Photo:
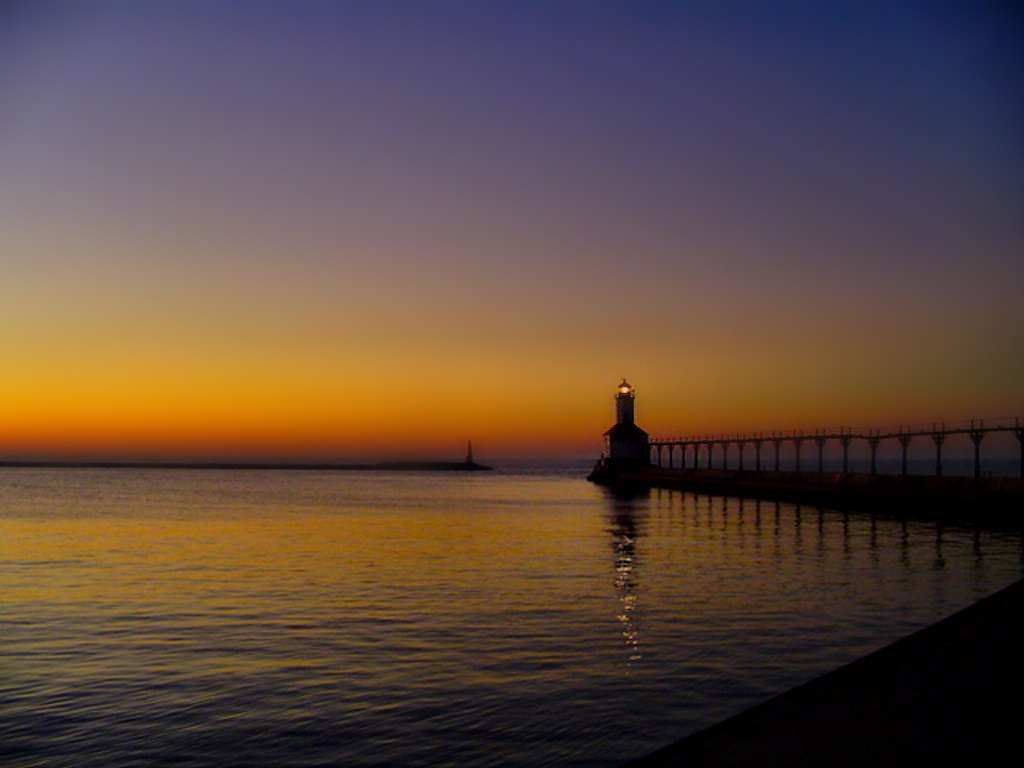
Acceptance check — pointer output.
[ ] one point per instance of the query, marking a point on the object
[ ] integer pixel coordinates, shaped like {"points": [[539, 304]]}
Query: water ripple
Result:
{"points": [[309, 619]]}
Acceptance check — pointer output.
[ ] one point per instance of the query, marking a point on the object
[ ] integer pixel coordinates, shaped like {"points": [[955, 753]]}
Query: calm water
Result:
{"points": [[520, 618]]}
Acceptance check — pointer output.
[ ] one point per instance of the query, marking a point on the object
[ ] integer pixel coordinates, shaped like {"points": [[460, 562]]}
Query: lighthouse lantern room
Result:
{"points": [[626, 443]]}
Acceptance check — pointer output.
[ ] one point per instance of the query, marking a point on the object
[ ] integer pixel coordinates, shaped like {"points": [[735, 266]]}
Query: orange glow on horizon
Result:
{"points": [[215, 245]]}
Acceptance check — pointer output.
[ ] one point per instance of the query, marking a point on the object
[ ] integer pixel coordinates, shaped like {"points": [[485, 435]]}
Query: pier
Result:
{"points": [[691, 449], [750, 465]]}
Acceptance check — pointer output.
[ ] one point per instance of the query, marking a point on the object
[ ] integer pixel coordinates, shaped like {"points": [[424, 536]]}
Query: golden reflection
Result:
{"points": [[625, 531]]}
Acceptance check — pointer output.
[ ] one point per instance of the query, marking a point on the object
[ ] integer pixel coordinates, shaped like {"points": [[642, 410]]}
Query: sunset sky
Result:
{"points": [[329, 228]]}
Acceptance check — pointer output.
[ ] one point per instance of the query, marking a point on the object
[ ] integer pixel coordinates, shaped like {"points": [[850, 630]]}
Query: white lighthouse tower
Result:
{"points": [[626, 444]]}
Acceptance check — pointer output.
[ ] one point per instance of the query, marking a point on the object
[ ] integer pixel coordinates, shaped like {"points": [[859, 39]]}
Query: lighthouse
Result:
{"points": [[626, 444]]}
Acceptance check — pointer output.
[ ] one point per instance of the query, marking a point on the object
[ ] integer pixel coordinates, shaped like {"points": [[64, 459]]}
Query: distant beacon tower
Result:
{"points": [[627, 444]]}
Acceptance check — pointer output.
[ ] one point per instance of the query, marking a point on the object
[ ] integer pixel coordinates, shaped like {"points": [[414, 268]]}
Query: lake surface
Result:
{"points": [[518, 618]]}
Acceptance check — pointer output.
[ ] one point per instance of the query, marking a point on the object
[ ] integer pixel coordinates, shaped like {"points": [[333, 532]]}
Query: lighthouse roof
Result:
{"points": [[626, 432]]}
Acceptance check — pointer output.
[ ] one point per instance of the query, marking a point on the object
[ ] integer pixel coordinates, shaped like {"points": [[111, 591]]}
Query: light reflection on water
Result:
{"points": [[516, 619]]}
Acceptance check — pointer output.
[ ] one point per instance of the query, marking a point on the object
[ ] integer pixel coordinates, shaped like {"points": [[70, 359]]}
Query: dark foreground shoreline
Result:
{"points": [[949, 694], [384, 466]]}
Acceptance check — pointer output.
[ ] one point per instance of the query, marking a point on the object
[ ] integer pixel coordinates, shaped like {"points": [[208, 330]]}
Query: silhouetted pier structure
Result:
{"points": [[937, 433], [633, 461]]}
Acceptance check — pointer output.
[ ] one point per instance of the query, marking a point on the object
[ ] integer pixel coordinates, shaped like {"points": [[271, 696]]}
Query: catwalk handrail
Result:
{"points": [[937, 432], [966, 427]]}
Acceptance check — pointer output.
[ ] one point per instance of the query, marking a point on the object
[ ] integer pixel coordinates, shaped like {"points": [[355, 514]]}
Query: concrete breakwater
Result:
{"points": [[956, 496]]}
